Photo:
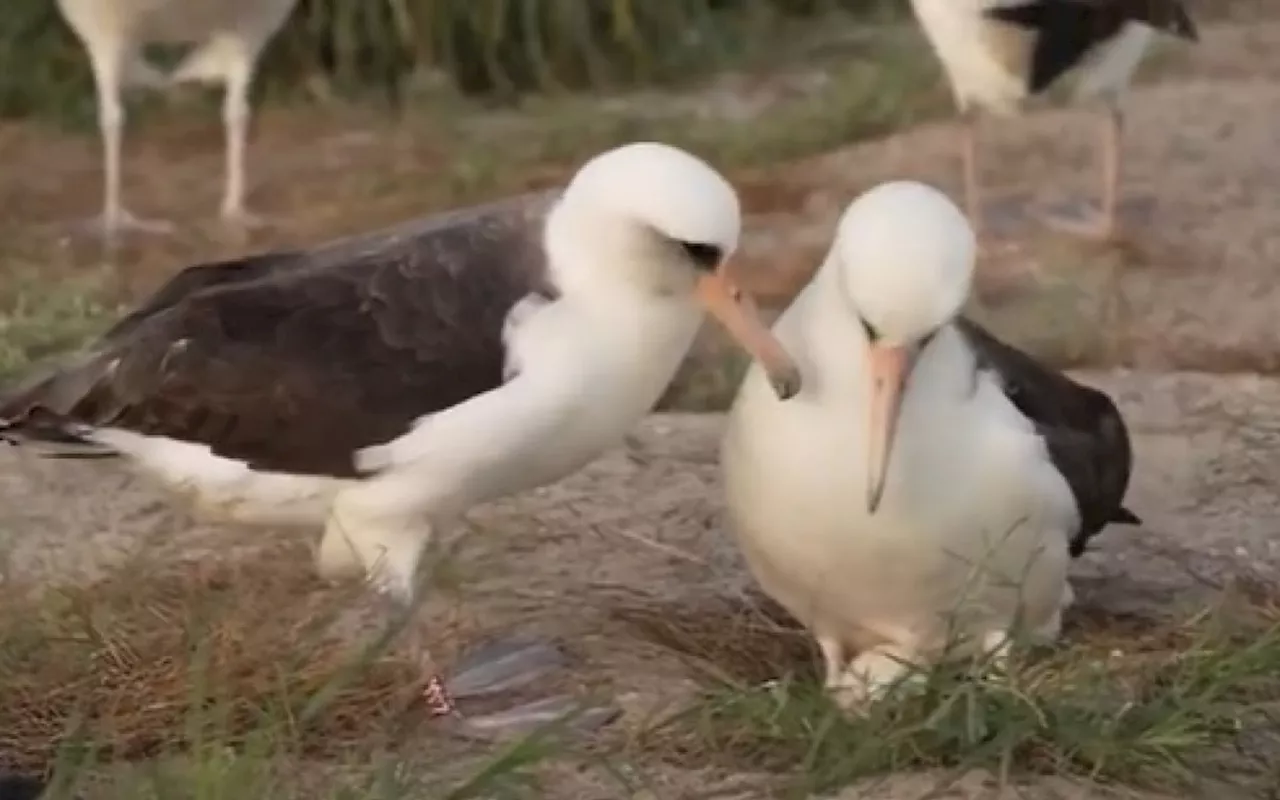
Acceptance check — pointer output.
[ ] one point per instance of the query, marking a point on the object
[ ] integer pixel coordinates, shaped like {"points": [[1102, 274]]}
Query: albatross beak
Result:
{"points": [[889, 367], [723, 300]]}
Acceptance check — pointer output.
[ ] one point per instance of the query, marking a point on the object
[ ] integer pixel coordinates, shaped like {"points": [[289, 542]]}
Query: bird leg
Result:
{"points": [[833, 660], [235, 117], [1112, 164], [365, 532], [230, 61], [107, 61], [1102, 224], [969, 158]]}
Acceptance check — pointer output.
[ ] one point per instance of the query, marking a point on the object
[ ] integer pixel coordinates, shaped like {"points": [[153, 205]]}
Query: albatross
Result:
{"points": [[927, 487], [380, 387], [997, 53]]}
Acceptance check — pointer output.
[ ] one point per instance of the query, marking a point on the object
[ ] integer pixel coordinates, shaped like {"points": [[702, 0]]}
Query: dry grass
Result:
{"points": [[203, 679], [226, 677], [153, 658]]}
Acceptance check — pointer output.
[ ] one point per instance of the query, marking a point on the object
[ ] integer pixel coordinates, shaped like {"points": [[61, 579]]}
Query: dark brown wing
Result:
{"points": [[1067, 30], [1085, 434], [293, 361]]}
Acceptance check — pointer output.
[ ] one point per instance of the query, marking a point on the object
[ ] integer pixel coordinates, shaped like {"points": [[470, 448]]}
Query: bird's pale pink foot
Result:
{"points": [[111, 227], [243, 220], [505, 665], [1084, 223], [1097, 223], [869, 677]]}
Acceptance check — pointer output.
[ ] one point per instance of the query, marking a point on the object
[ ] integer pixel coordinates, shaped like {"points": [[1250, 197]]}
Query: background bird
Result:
{"points": [[228, 37], [997, 53]]}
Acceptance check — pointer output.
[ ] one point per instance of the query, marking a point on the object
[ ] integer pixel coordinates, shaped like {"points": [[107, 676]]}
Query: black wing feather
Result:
{"points": [[1081, 426], [1067, 30], [293, 361]]}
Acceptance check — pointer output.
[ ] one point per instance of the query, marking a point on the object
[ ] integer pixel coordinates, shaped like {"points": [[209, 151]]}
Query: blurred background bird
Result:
{"points": [[998, 53], [227, 38]]}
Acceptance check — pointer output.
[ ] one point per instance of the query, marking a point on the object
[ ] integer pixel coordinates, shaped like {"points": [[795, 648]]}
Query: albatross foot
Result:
{"points": [[1081, 222], [502, 665], [242, 220], [1085, 220], [873, 675], [1002, 218], [238, 225], [571, 712], [110, 228]]}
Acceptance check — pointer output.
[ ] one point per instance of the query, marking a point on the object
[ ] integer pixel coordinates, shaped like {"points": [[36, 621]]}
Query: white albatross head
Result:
{"points": [[904, 255], [669, 224]]}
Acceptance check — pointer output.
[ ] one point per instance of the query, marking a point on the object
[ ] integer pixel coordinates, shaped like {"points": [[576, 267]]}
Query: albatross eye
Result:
{"points": [[872, 333], [705, 257]]}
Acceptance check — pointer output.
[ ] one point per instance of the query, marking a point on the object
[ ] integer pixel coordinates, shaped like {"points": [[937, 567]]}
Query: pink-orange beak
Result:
{"points": [[724, 301], [890, 365]]}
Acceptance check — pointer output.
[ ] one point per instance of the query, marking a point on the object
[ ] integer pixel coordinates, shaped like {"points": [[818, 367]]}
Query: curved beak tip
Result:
{"points": [[873, 500], [786, 384]]}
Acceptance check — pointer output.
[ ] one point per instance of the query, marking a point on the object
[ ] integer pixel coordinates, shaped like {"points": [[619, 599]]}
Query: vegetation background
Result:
{"points": [[495, 49]]}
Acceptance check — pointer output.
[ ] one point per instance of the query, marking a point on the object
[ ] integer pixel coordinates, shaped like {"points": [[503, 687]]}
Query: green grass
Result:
{"points": [[1154, 710], [40, 320], [223, 699]]}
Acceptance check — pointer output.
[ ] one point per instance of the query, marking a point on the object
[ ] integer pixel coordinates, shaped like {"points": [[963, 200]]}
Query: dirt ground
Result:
{"points": [[1178, 323]]}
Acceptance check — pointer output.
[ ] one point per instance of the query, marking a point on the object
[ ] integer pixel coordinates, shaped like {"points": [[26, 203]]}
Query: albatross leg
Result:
{"points": [[977, 209], [1100, 224], [833, 660], [231, 61], [107, 60], [235, 118], [969, 159]]}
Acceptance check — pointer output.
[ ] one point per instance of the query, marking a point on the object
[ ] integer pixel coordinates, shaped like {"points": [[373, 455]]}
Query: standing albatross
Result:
{"points": [[927, 475], [229, 37], [996, 53], [380, 387]]}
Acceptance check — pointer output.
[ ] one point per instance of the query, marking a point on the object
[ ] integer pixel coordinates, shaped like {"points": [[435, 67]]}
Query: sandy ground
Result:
{"points": [[1193, 290], [643, 528]]}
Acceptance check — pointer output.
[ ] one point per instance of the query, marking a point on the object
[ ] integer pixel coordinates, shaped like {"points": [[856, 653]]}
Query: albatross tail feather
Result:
{"points": [[53, 439], [1124, 516], [29, 418]]}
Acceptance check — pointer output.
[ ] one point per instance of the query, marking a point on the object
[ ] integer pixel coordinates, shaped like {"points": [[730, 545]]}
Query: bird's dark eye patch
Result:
{"points": [[872, 333], [705, 257]]}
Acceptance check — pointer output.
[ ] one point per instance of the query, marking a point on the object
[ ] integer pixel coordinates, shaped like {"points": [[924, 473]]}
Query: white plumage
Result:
{"points": [[228, 38], [965, 530]]}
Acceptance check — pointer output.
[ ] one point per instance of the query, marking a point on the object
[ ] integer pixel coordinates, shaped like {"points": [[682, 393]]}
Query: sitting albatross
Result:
{"points": [[996, 53], [928, 480], [380, 387]]}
